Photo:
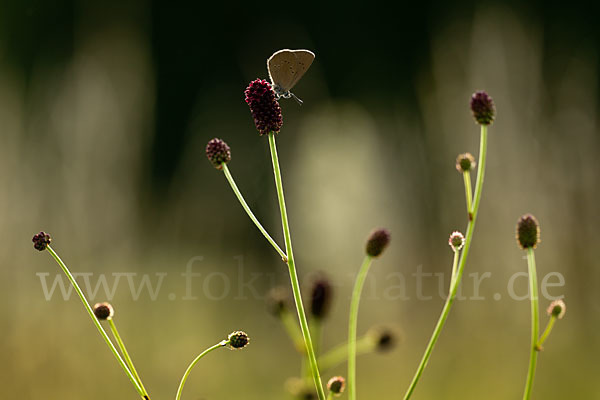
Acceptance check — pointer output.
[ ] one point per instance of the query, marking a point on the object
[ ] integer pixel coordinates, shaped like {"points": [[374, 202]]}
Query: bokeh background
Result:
{"points": [[105, 109]]}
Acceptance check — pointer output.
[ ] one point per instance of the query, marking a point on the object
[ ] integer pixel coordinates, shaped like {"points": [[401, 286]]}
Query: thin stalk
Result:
{"points": [[339, 354], [535, 323], [352, 326], [125, 353], [454, 267], [546, 333], [250, 213], [468, 192], [316, 329], [461, 266], [222, 343], [330, 396], [293, 274], [291, 327], [96, 322]]}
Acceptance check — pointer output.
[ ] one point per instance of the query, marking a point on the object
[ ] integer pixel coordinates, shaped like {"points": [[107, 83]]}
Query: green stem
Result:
{"points": [[330, 396], [454, 267], [293, 274], [463, 260], [546, 332], [468, 193], [352, 326], [96, 322], [535, 324], [128, 360], [316, 330], [250, 213], [222, 343], [291, 327], [339, 354]]}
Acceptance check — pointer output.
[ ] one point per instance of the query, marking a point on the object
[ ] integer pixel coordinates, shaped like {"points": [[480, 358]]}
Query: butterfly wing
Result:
{"points": [[286, 67]]}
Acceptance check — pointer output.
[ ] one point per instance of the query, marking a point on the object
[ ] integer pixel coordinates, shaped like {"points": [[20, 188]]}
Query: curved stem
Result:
{"points": [[312, 359], [468, 192], [454, 266], [535, 324], [291, 327], [463, 259], [352, 326], [222, 343], [250, 213], [339, 354], [546, 333], [128, 360], [96, 322]]}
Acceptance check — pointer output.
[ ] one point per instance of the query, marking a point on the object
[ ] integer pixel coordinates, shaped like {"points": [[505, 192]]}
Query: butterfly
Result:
{"points": [[286, 67]]}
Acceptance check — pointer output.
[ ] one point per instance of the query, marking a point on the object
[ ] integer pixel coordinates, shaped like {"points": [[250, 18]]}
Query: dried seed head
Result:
{"points": [[378, 241], [483, 108], [237, 340], [528, 232], [264, 107], [320, 298], [41, 241], [456, 240], [103, 311], [465, 162], [336, 385], [277, 300], [557, 308], [218, 152]]}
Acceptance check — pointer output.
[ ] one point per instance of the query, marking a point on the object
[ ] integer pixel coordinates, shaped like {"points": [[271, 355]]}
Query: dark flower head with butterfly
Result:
{"points": [[285, 68], [264, 107]]}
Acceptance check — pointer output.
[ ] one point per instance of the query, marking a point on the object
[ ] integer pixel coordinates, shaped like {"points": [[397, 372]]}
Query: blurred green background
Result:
{"points": [[105, 110]]}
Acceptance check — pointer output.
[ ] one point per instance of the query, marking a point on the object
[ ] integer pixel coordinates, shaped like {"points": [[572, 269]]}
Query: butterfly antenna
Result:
{"points": [[296, 98]]}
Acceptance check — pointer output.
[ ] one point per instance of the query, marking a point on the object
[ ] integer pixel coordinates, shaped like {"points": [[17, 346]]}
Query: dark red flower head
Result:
{"points": [[264, 106], [320, 298], [41, 241], [218, 152], [377, 242], [483, 108]]}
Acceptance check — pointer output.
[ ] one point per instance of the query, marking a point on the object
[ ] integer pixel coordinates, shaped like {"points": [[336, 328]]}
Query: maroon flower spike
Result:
{"points": [[320, 298], [377, 242], [483, 108], [41, 241], [264, 106], [218, 152]]}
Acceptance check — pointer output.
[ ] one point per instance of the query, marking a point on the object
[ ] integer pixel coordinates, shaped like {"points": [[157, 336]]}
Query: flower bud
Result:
{"points": [[384, 338], [237, 340], [528, 232], [41, 241], [320, 298], [103, 311], [336, 385], [557, 308], [377, 242], [456, 240], [465, 162], [264, 107], [483, 108], [218, 152]]}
